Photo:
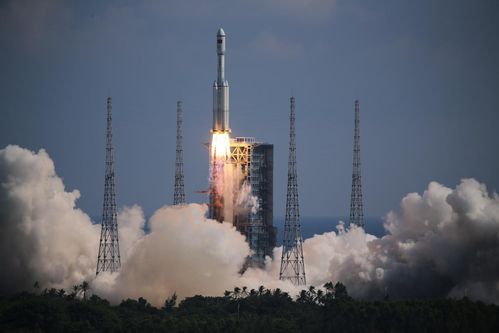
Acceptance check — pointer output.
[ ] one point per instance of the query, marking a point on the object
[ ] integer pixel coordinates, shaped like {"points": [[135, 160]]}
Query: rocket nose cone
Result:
{"points": [[221, 32]]}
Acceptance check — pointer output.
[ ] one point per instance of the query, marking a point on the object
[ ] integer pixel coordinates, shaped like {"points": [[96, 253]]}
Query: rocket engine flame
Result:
{"points": [[220, 177], [220, 146]]}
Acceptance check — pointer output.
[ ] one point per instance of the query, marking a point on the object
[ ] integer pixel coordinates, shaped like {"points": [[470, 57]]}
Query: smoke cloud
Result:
{"points": [[43, 237], [444, 242], [183, 253]]}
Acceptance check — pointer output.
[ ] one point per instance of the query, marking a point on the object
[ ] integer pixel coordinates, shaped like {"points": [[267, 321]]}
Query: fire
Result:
{"points": [[220, 146]]}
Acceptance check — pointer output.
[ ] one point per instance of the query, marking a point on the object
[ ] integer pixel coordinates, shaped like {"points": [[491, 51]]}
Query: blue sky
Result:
{"points": [[426, 74]]}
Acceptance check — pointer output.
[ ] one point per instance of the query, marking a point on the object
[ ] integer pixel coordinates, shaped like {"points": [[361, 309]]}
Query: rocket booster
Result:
{"points": [[221, 90]]}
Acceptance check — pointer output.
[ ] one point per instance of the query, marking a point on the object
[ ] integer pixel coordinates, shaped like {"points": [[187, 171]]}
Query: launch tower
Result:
{"points": [[178, 193], [108, 259], [292, 261], [356, 205]]}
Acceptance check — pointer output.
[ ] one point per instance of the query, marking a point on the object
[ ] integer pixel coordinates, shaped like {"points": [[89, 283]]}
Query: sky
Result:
{"points": [[426, 74]]}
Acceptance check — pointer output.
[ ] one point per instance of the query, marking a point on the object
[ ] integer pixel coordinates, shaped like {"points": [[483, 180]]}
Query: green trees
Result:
{"points": [[170, 303], [325, 309]]}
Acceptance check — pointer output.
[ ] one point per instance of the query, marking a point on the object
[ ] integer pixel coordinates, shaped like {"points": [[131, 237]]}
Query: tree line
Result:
{"points": [[327, 309]]}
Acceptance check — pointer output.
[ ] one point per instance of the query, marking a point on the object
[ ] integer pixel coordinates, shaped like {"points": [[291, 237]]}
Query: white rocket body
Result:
{"points": [[221, 90]]}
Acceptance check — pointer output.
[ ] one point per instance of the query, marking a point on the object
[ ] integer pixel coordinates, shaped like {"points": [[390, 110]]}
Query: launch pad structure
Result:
{"points": [[253, 165], [256, 160]]}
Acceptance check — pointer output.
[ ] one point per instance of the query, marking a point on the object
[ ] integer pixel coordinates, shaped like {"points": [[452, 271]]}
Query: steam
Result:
{"points": [[131, 224], [246, 202], [43, 237], [183, 253], [444, 242]]}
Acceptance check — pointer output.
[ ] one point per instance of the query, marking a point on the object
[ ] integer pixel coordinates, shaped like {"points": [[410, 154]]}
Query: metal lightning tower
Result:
{"points": [[109, 248], [292, 262], [356, 205], [179, 194]]}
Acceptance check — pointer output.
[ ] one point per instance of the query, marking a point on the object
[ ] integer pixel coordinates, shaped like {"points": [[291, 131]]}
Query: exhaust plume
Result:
{"points": [[444, 242], [43, 237]]}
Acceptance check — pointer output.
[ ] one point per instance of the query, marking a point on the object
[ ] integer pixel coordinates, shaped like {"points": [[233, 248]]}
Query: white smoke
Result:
{"points": [[43, 237], [246, 202], [131, 224], [444, 242], [229, 182], [184, 253]]}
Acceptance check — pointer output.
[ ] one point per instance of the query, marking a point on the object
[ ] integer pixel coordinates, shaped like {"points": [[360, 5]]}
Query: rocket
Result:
{"points": [[221, 90]]}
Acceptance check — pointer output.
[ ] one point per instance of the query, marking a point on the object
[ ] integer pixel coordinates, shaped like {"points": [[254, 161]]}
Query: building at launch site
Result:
{"points": [[241, 173]]}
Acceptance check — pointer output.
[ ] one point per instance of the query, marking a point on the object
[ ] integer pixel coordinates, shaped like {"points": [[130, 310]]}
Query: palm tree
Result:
{"points": [[340, 291], [84, 288], [302, 297], [170, 303], [329, 286], [36, 286], [76, 289], [237, 292], [319, 298], [330, 293]]}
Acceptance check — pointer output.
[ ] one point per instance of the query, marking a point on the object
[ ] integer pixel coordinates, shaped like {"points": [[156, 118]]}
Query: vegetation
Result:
{"points": [[241, 310]]}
